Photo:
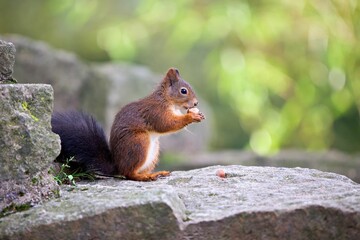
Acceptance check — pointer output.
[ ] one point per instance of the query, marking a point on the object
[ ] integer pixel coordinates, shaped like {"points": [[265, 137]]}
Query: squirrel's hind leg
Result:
{"points": [[143, 151], [141, 177], [147, 176], [160, 174]]}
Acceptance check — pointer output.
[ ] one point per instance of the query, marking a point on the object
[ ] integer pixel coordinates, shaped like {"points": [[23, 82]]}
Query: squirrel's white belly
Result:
{"points": [[152, 153]]}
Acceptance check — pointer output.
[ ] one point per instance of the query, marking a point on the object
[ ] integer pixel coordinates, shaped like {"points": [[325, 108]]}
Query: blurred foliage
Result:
{"points": [[278, 74]]}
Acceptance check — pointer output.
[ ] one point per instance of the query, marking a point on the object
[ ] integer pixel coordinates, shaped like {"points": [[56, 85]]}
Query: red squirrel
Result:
{"points": [[134, 138]]}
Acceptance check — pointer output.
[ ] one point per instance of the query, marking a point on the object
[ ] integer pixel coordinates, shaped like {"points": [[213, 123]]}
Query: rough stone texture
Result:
{"points": [[250, 203], [100, 89], [330, 161], [7, 60], [27, 144]]}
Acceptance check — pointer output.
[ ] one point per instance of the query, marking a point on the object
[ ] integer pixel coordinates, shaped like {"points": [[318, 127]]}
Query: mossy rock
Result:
{"points": [[28, 146]]}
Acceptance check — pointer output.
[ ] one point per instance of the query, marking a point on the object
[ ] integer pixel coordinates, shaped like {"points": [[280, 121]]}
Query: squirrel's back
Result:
{"points": [[83, 139]]}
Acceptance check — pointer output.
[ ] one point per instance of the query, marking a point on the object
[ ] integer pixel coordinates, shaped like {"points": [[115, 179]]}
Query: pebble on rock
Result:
{"points": [[220, 173]]}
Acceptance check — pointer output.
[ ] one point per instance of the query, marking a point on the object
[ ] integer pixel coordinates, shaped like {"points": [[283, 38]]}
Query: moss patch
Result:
{"points": [[25, 106], [13, 208]]}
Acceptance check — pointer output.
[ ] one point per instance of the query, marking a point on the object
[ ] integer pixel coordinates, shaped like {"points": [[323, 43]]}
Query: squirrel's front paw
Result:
{"points": [[196, 115]]}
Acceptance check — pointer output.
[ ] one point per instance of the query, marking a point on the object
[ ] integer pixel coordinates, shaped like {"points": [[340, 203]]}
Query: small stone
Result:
{"points": [[220, 173]]}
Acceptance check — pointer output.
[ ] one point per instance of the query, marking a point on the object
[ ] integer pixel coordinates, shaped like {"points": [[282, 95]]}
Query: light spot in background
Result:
{"points": [[342, 100], [220, 23], [156, 12], [232, 60], [319, 73], [337, 79], [260, 141], [251, 102], [117, 42], [317, 39]]}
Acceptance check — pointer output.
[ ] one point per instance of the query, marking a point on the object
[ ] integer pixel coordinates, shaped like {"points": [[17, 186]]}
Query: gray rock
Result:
{"points": [[27, 144], [250, 203], [330, 161], [7, 60]]}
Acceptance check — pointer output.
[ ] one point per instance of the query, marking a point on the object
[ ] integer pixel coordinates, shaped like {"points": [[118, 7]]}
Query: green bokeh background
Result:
{"points": [[278, 74]]}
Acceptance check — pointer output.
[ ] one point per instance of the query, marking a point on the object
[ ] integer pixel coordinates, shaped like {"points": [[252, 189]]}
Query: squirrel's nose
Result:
{"points": [[192, 103]]}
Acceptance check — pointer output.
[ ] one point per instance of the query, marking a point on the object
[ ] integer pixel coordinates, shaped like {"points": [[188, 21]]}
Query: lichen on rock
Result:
{"points": [[28, 146]]}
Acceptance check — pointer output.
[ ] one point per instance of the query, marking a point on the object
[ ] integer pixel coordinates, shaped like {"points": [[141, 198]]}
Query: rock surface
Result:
{"points": [[249, 203], [329, 161], [7, 60], [28, 146]]}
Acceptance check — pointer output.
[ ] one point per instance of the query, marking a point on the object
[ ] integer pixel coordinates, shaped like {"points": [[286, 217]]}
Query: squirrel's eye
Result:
{"points": [[183, 91]]}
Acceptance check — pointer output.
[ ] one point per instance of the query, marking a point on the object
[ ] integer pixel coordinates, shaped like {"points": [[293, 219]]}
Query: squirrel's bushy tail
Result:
{"points": [[83, 139]]}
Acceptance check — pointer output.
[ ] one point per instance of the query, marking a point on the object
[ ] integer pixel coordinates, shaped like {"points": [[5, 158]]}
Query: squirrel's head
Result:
{"points": [[178, 91]]}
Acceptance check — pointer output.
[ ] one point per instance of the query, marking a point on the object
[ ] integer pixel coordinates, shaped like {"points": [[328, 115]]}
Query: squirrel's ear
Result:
{"points": [[173, 75]]}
